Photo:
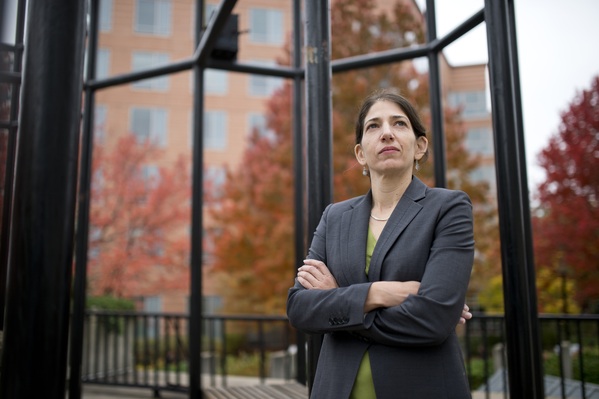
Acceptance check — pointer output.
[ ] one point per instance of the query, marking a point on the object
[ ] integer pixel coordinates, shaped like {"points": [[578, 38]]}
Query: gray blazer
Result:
{"points": [[413, 348]]}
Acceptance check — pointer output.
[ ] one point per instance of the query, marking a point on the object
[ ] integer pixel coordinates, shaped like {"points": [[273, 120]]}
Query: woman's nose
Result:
{"points": [[386, 131]]}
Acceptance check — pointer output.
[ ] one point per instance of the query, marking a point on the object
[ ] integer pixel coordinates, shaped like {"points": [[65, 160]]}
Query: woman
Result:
{"points": [[387, 272]]}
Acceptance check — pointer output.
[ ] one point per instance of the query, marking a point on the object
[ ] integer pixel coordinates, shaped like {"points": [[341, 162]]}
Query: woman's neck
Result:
{"points": [[386, 193]]}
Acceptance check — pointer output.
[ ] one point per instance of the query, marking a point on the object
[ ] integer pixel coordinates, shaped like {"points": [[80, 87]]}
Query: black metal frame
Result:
{"points": [[313, 191]]}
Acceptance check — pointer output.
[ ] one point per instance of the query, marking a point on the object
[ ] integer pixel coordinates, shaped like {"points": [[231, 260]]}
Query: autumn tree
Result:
{"points": [[566, 228], [139, 218], [254, 249]]}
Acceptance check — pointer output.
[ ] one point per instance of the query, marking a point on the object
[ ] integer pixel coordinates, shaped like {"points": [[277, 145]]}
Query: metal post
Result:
{"points": [[318, 130], [11, 149], [83, 210], [298, 172], [435, 99], [34, 354], [521, 321], [195, 305]]}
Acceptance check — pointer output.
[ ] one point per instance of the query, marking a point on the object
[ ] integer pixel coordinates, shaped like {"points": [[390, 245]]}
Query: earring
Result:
{"points": [[417, 166], [365, 171]]}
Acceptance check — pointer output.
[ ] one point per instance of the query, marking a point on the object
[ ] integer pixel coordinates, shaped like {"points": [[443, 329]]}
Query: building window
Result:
{"points": [[215, 81], [480, 141], [95, 234], [266, 26], [153, 17], [258, 122], [100, 123], [215, 130], [211, 304], [264, 86], [150, 124], [151, 304], [485, 174], [143, 60], [150, 175], [215, 178], [103, 63], [472, 103], [209, 10], [105, 17]]}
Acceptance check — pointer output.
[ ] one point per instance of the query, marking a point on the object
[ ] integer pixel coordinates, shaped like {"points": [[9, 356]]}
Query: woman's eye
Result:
{"points": [[371, 126], [401, 123]]}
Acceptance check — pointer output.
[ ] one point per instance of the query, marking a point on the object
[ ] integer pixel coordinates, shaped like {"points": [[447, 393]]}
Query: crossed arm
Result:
{"points": [[314, 275]]}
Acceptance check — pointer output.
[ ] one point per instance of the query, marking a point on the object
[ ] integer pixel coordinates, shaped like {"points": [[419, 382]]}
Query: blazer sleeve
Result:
{"points": [[431, 316], [323, 311]]}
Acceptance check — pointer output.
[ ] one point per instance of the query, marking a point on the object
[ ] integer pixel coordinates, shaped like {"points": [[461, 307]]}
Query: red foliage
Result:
{"points": [[567, 232]]}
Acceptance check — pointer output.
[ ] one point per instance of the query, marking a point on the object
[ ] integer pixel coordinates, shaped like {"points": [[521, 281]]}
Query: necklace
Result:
{"points": [[379, 219]]}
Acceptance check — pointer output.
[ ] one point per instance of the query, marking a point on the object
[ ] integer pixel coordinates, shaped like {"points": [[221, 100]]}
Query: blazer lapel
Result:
{"points": [[354, 228], [404, 213]]}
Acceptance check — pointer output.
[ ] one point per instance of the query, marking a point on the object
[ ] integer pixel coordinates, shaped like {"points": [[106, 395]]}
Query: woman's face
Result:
{"points": [[388, 142]]}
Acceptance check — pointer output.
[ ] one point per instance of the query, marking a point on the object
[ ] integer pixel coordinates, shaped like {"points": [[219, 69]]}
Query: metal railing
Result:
{"points": [[150, 350], [570, 349]]}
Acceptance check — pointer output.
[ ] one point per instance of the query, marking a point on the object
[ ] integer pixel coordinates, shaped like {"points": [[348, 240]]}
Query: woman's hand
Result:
{"points": [[466, 315], [314, 275]]}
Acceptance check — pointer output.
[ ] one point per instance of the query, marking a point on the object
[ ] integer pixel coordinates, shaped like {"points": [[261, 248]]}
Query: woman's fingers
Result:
{"points": [[466, 315], [315, 274]]}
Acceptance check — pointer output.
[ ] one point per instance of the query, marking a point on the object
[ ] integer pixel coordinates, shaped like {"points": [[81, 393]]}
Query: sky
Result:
{"points": [[557, 54]]}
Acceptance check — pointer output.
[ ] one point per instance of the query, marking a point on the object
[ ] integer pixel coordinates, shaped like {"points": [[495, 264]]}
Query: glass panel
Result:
{"points": [[144, 21], [103, 63], [158, 135], [105, 16], [264, 86], [480, 141], [215, 81], [215, 130], [266, 26], [164, 18], [100, 114], [140, 123], [146, 60]]}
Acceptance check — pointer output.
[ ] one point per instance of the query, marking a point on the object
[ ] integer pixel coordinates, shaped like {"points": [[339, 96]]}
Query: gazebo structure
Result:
{"points": [[46, 199]]}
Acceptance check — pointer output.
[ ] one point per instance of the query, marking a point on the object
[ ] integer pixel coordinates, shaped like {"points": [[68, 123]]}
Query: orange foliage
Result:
{"points": [[138, 237]]}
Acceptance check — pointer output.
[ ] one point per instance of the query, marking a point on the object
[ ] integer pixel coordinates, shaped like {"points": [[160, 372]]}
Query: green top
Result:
{"points": [[363, 385]]}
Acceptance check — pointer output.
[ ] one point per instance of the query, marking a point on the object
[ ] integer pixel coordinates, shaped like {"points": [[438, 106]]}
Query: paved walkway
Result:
{"points": [[107, 392], [273, 388]]}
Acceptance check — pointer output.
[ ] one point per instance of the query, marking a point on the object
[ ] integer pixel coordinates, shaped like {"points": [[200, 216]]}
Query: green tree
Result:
{"points": [[566, 225]]}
